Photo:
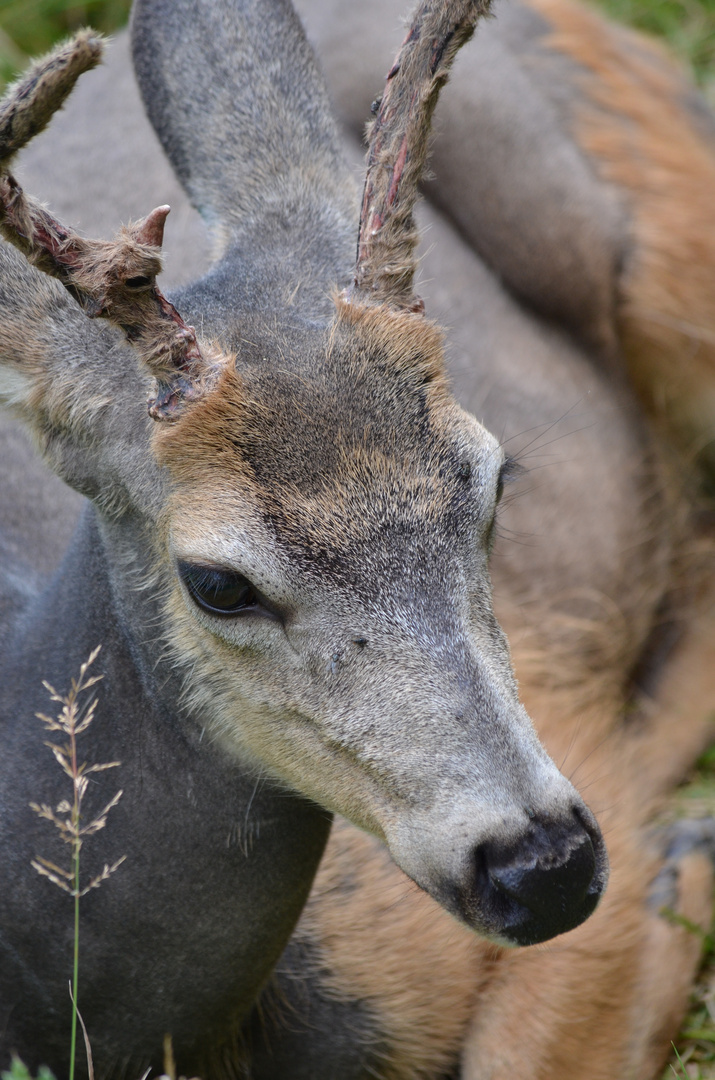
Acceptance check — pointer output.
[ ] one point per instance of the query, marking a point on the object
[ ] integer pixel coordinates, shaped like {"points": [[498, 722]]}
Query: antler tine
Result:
{"points": [[397, 150], [33, 100], [115, 279]]}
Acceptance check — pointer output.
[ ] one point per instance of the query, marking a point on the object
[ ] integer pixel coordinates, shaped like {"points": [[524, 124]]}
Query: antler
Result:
{"points": [[397, 150], [115, 279]]}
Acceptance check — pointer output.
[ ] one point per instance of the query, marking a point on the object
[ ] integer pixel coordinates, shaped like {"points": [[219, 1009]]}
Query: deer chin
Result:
{"points": [[514, 879]]}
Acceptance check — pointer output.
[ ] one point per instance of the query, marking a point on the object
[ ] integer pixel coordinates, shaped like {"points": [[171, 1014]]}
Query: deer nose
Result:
{"points": [[544, 884]]}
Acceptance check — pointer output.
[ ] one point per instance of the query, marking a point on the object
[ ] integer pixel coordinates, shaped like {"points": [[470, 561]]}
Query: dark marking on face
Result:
{"points": [[355, 470]]}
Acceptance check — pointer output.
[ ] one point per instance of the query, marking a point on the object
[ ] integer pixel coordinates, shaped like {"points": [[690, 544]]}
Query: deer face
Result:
{"points": [[328, 538]]}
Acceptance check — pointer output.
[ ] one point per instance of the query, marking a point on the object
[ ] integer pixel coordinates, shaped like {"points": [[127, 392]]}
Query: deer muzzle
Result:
{"points": [[543, 884], [521, 879]]}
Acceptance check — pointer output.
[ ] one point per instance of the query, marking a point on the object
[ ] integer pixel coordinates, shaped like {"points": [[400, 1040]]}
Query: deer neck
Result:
{"points": [[218, 862]]}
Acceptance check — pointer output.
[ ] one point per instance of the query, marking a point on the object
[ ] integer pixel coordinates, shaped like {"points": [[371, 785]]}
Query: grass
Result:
{"points": [[75, 716], [29, 27], [687, 25], [694, 1055], [19, 1071]]}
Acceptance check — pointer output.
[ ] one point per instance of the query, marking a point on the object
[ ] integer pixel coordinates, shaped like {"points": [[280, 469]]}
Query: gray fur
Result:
{"points": [[201, 908]]}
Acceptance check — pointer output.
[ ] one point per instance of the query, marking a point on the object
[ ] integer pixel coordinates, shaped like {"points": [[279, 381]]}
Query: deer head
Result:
{"points": [[314, 507]]}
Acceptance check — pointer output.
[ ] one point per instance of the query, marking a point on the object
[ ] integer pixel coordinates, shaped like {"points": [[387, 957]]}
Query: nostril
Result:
{"points": [[586, 820], [549, 884], [544, 883], [482, 877], [588, 823]]}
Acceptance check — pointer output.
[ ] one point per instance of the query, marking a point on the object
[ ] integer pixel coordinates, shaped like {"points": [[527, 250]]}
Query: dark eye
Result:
{"points": [[221, 592]]}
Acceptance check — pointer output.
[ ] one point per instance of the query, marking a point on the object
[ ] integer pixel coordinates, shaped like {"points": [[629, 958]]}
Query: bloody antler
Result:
{"points": [[397, 150], [115, 279]]}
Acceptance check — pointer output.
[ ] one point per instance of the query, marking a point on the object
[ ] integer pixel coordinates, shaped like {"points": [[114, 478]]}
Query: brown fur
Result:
{"points": [[636, 128], [418, 969], [403, 350]]}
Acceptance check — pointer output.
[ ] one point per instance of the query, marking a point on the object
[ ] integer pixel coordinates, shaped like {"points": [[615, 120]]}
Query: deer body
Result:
{"points": [[330, 471]]}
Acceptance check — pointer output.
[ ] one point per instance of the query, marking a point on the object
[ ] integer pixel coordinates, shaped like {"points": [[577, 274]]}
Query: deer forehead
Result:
{"points": [[362, 403], [366, 453]]}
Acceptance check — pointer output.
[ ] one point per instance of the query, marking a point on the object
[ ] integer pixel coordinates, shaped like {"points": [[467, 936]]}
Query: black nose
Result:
{"points": [[545, 883]]}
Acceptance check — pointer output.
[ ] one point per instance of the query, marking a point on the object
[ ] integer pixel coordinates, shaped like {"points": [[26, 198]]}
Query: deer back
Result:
{"points": [[534, 162]]}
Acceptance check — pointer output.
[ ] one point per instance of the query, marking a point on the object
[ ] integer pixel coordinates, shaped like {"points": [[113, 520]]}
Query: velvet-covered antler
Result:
{"points": [[397, 150], [110, 279]]}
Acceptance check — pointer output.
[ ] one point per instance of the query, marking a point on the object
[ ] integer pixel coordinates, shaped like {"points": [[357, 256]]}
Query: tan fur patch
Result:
{"points": [[412, 344], [390, 944]]}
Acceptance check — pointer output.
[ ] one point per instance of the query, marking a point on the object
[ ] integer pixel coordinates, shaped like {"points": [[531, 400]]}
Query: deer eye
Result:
{"points": [[221, 592]]}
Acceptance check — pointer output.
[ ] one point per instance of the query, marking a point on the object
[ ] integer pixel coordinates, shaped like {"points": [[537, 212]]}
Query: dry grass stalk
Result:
{"points": [[75, 716], [72, 720]]}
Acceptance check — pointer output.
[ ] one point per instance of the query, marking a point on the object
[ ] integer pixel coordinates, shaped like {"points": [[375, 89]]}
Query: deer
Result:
{"points": [[294, 559]]}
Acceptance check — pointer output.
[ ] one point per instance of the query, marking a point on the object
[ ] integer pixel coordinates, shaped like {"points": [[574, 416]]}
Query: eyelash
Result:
{"points": [[511, 470], [222, 592]]}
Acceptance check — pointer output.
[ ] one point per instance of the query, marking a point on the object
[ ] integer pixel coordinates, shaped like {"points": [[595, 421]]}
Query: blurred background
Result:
{"points": [[30, 27]]}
